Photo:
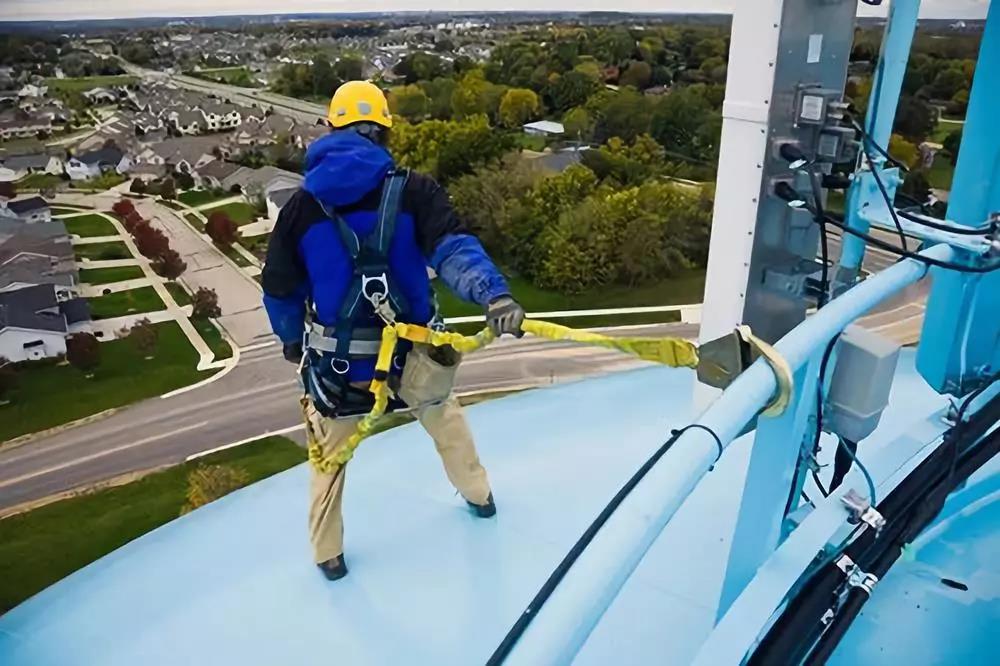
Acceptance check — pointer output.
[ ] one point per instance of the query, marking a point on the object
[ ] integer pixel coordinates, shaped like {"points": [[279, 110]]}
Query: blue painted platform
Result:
{"points": [[233, 583]]}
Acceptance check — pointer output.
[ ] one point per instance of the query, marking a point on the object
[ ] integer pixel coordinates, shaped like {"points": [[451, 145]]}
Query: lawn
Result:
{"points": [[195, 198], [233, 254], [941, 172], [48, 395], [64, 209], [103, 182], [194, 221], [685, 288], [40, 547], [234, 76], [40, 181], [211, 335], [180, 294], [109, 275], [119, 304], [102, 251], [85, 83], [256, 245], [90, 225], [239, 212]]}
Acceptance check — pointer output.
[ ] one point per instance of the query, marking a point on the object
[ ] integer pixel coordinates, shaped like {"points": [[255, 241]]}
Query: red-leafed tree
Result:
{"points": [[206, 304], [83, 351], [221, 229], [123, 208], [152, 243], [132, 220], [169, 265]]}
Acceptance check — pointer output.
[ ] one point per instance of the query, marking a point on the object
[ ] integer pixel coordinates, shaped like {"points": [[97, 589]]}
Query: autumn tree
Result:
{"points": [[207, 483], [205, 304], [83, 351], [518, 106], [123, 208], [169, 265], [143, 336], [132, 220], [150, 241], [221, 228]]}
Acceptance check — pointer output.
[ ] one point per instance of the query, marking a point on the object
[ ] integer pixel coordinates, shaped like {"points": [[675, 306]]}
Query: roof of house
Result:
{"points": [[280, 197], [34, 161], [35, 269], [189, 149], [261, 178], [185, 118], [560, 161], [75, 310], [547, 126], [47, 239], [219, 170], [25, 308], [22, 206], [107, 155]]}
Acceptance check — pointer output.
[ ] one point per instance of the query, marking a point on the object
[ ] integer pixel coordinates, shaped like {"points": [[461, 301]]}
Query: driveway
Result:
{"points": [[243, 315]]}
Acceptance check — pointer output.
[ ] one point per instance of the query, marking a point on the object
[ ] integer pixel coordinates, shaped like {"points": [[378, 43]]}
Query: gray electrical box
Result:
{"points": [[806, 109], [859, 388]]}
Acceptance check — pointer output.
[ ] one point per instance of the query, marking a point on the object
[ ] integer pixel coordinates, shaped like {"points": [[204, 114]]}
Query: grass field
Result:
{"points": [[234, 76], [239, 212], [941, 172], [195, 198], [103, 182], [257, 245], [48, 395], [85, 83], [89, 225], [685, 288], [211, 335], [195, 221], [119, 304], [234, 254], [102, 251], [40, 181], [64, 209], [43, 546], [109, 275], [180, 294]]}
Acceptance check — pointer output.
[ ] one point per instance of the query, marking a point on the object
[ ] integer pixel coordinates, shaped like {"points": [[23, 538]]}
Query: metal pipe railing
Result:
{"points": [[570, 614]]}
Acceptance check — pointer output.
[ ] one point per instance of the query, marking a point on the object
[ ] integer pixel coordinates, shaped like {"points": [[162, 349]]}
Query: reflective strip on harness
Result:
{"points": [[356, 348]]}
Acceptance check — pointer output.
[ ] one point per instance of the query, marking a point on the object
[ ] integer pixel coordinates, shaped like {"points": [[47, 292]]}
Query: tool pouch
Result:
{"points": [[429, 375]]}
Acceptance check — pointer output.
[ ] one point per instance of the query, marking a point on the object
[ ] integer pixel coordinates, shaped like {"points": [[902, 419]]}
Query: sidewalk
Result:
{"points": [[94, 290]]}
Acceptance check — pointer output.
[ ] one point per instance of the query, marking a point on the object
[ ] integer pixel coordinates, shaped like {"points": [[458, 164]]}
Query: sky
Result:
{"points": [[33, 10]]}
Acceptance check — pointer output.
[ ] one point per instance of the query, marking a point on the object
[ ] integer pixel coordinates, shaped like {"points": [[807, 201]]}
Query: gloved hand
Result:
{"points": [[292, 351], [505, 315]]}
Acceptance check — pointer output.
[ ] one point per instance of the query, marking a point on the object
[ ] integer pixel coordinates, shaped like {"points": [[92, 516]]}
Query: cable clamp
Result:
{"points": [[862, 511], [855, 576]]}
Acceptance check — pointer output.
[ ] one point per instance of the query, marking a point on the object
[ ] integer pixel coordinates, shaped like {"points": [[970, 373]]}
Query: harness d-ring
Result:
{"points": [[340, 369]]}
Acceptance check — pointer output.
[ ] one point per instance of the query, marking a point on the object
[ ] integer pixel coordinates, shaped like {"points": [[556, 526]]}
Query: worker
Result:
{"points": [[350, 251]]}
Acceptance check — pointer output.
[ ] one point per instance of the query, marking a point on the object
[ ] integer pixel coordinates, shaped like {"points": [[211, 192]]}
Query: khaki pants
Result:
{"points": [[423, 382]]}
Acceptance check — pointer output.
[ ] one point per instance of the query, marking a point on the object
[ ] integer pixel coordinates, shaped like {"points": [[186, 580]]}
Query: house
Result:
{"points": [[33, 90], [24, 165], [183, 154], [221, 117], [214, 173], [544, 128], [96, 162], [100, 96], [39, 253], [32, 269], [251, 181], [19, 129], [34, 323], [30, 210], [276, 198], [188, 122]]}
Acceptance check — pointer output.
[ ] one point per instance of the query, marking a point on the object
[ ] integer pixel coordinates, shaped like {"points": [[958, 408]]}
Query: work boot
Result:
{"points": [[487, 510], [334, 569]]}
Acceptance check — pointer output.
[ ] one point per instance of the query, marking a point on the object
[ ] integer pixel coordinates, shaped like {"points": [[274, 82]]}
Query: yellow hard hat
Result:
{"points": [[359, 101]]}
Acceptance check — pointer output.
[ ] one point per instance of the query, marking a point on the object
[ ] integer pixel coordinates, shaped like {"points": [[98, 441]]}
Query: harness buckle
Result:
{"points": [[380, 293]]}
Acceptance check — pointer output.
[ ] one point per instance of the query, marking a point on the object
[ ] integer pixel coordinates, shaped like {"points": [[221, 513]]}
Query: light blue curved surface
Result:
{"points": [[915, 618], [233, 582]]}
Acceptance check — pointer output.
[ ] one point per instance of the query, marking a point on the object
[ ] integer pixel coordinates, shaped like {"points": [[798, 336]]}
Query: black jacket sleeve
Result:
{"points": [[284, 272]]}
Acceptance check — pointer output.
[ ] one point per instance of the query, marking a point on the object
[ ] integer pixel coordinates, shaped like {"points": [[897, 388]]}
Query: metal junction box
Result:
{"points": [[814, 47], [859, 388]]}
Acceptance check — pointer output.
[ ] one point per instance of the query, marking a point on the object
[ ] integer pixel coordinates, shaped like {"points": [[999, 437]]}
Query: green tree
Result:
{"points": [[578, 124], [571, 89], [518, 106], [915, 119], [83, 351], [324, 81], [469, 97], [638, 75], [628, 164], [711, 47], [411, 102], [349, 68], [904, 151], [625, 114], [448, 149], [684, 123], [421, 66], [439, 92], [947, 83], [488, 198], [143, 336]]}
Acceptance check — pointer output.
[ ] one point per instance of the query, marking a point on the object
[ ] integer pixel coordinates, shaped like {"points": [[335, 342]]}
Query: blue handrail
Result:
{"points": [[570, 614]]}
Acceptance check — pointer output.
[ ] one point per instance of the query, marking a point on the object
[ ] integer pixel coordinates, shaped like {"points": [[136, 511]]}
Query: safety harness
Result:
{"points": [[328, 351]]}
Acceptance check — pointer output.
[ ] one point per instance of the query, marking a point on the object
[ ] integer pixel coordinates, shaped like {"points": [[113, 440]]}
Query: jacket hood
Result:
{"points": [[343, 167]]}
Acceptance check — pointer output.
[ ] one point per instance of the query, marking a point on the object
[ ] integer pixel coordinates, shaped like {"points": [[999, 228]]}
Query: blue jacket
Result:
{"points": [[308, 263]]}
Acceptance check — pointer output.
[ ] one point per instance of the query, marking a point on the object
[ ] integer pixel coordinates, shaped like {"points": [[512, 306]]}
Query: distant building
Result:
{"points": [[189, 122], [24, 165], [215, 173], [20, 129], [100, 96], [276, 198], [96, 162], [30, 210], [544, 128], [221, 117]]}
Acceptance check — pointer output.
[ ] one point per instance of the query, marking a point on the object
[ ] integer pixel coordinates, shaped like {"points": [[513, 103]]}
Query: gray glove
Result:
{"points": [[505, 315]]}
